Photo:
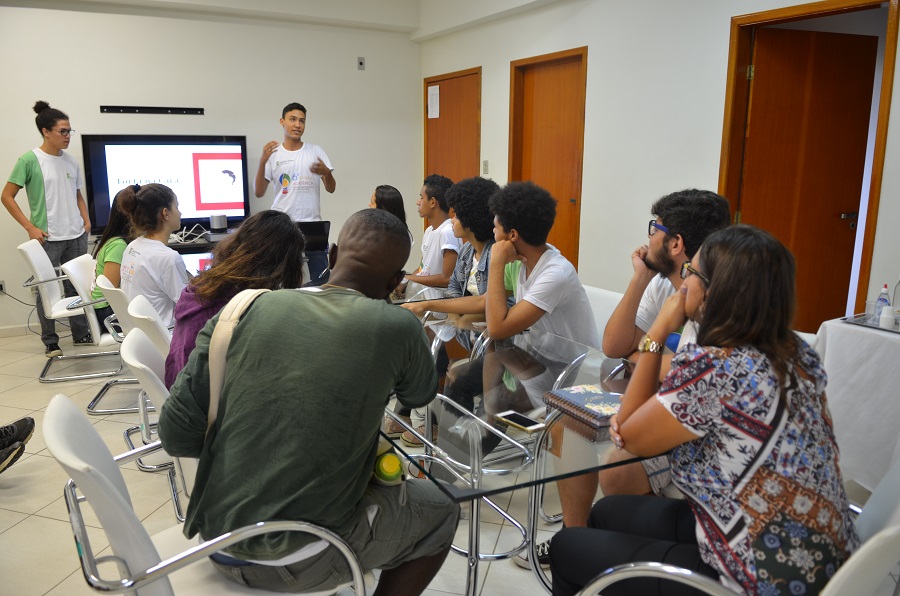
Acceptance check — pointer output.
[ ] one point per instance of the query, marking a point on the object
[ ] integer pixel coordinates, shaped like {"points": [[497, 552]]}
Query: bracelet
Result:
{"points": [[649, 345]]}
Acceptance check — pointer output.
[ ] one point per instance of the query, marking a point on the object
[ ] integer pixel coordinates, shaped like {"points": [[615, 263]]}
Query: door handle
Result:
{"points": [[850, 215], [573, 201]]}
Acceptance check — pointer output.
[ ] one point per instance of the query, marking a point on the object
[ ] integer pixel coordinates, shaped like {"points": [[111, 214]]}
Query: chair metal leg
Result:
{"points": [[176, 500], [92, 407], [43, 378], [550, 519], [143, 467]]}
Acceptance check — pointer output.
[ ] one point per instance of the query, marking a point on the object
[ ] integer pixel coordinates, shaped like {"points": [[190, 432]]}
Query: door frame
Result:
{"points": [[737, 99]]}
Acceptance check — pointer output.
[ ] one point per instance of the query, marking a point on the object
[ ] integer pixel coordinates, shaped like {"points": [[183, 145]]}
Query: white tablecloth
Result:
{"points": [[863, 367]]}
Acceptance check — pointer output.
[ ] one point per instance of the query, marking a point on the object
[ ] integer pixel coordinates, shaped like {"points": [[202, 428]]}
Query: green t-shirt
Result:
{"points": [[308, 377], [511, 276], [111, 252]]}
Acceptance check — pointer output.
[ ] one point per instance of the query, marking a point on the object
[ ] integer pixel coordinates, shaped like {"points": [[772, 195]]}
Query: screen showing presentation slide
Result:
{"points": [[207, 179]]}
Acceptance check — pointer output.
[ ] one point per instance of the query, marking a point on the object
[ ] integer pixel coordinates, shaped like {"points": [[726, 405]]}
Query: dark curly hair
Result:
{"points": [[526, 208], [266, 251], [693, 214], [469, 199], [436, 187]]}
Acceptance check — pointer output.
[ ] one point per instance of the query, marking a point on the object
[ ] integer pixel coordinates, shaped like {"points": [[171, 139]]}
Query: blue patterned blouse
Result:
{"points": [[763, 477]]}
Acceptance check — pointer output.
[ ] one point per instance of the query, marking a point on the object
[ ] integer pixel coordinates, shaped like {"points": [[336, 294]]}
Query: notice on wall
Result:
{"points": [[434, 101]]}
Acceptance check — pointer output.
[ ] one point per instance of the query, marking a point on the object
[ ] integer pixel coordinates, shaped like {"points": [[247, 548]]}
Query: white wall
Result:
{"points": [[655, 105], [655, 96], [368, 121]]}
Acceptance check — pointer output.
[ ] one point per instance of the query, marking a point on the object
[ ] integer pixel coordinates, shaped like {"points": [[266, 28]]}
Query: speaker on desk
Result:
{"points": [[218, 223]]}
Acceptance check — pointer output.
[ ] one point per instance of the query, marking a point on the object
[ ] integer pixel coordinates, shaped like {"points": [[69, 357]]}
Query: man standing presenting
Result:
{"points": [[297, 169], [297, 433]]}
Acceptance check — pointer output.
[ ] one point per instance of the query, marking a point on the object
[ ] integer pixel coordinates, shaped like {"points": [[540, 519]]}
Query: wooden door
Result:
{"points": [[547, 135], [804, 156], [453, 138]]}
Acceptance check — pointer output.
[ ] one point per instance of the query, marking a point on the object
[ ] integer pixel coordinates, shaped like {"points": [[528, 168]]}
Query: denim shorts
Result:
{"points": [[422, 527]]}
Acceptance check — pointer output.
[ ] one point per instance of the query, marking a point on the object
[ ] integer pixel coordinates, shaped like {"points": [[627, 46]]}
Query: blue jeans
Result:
{"points": [[317, 261], [61, 251]]}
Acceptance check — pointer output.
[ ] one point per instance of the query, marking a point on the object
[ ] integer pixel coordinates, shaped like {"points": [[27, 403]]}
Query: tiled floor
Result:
{"points": [[38, 552]]}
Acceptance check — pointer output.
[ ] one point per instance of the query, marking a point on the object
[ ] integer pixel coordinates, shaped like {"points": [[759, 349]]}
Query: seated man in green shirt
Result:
{"points": [[308, 377]]}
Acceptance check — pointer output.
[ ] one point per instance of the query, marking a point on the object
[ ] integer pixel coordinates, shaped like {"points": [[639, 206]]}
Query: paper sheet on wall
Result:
{"points": [[434, 101]]}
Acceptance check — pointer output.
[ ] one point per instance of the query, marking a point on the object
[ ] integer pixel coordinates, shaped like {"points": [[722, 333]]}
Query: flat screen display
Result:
{"points": [[207, 173]]}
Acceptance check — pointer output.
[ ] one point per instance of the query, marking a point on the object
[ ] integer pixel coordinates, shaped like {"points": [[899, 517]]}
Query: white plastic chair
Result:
{"points": [[148, 366], [148, 320], [811, 338], [118, 301], [603, 303], [878, 526], [146, 564], [56, 306]]}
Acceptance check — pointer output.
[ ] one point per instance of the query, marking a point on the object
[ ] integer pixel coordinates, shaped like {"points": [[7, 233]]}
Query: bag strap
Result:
{"points": [[218, 346]]}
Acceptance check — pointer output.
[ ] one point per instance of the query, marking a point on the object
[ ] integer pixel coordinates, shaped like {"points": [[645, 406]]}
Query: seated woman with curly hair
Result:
{"points": [[265, 252], [744, 420]]}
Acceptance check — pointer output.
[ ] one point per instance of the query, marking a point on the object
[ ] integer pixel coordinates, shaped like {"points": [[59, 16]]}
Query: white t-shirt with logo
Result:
{"points": [[152, 269], [297, 188], [51, 183]]}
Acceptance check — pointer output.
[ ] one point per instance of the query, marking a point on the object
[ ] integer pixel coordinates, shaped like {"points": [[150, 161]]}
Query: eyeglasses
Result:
{"points": [[653, 226], [687, 271], [66, 132]]}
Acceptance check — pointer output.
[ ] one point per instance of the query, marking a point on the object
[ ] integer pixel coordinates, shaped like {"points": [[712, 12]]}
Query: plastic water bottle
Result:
{"points": [[388, 468], [884, 300]]}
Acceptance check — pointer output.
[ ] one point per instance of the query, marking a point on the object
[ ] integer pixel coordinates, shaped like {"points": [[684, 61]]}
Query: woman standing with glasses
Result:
{"points": [[745, 423], [59, 216]]}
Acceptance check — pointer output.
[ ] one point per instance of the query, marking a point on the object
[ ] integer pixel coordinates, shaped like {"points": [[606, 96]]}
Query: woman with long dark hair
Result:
{"points": [[266, 251], [108, 254], [149, 266], [388, 198], [744, 420]]}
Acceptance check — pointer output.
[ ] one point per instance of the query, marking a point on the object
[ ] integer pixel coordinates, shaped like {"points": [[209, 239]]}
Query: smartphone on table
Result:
{"points": [[520, 421]]}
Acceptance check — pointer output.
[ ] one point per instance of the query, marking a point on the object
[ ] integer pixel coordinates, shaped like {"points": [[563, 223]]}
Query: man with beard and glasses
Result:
{"points": [[681, 222]]}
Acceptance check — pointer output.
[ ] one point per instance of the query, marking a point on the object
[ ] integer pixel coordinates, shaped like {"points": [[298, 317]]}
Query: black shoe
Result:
{"points": [[87, 339], [543, 556], [19, 431], [11, 455], [52, 350]]}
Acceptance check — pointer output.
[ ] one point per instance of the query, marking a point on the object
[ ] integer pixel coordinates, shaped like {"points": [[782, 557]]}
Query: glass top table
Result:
{"points": [[476, 455]]}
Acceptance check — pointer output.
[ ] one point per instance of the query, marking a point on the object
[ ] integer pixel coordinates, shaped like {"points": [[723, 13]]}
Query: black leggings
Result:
{"points": [[626, 529]]}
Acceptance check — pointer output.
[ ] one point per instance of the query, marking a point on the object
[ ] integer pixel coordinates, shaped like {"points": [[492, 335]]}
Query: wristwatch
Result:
{"points": [[648, 345]]}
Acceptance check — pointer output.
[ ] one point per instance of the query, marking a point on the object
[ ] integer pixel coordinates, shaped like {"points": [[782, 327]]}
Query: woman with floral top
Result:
{"points": [[744, 418]]}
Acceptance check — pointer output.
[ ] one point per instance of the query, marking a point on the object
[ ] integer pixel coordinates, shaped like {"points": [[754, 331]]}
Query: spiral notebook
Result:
{"points": [[588, 404]]}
